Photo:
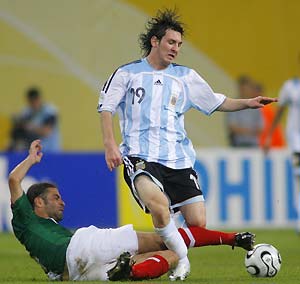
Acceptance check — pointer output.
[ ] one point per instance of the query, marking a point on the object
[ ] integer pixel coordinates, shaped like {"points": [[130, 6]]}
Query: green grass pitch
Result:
{"points": [[210, 265]]}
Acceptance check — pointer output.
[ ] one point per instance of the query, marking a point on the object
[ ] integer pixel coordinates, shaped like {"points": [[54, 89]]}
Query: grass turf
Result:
{"points": [[210, 265]]}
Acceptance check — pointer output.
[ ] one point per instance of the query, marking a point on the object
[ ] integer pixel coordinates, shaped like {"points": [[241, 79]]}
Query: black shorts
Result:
{"points": [[180, 186]]}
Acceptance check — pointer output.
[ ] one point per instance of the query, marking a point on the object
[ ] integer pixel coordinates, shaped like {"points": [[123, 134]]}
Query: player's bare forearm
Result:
{"points": [[15, 178], [112, 154], [233, 105], [19, 172], [107, 128], [239, 104]]}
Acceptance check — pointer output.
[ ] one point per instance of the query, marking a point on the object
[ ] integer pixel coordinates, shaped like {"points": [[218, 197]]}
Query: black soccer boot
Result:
{"points": [[121, 271], [244, 240]]}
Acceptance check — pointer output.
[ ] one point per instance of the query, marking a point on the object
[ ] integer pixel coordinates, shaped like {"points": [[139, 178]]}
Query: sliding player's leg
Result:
{"points": [[143, 266]]}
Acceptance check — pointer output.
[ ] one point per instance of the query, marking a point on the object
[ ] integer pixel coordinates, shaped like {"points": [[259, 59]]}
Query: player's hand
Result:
{"points": [[35, 151], [113, 157], [260, 101]]}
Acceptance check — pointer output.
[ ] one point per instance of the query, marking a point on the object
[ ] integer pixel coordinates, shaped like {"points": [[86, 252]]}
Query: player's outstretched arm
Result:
{"points": [[19, 172], [240, 104]]}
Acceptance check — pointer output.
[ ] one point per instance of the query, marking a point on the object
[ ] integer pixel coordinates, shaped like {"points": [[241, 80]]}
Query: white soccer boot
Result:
{"points": [[181, 271]]}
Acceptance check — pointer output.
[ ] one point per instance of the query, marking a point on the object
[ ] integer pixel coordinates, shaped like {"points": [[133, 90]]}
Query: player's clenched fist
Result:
{"points": [[35, 151]]}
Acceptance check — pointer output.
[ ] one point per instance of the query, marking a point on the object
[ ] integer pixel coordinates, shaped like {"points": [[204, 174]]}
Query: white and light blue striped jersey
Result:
{"points": [[151, 105], [290, 96]]}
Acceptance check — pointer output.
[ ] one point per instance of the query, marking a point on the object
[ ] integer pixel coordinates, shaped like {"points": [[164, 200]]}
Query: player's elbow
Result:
{"points": [[13, 180]]}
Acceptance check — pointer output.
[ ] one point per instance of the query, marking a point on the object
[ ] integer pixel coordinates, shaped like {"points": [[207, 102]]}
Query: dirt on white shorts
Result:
{"points": [[93, 251]]}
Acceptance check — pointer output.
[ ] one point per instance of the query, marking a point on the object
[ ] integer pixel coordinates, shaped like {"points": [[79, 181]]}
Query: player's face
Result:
{"points": [[168, 47], [54, 205]]}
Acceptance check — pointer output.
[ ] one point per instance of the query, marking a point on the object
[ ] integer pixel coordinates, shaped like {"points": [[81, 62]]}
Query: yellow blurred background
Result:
{"points": [[69, 47]]}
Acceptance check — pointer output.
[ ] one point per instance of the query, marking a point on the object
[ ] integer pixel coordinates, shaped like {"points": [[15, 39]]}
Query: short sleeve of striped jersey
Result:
{"points": [[113, 92], [284, 94], [201, 95]]}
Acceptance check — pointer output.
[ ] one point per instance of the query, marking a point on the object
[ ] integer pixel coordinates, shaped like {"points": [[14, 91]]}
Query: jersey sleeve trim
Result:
{"points": [[108, 82], [114, 91], [222, 98]]}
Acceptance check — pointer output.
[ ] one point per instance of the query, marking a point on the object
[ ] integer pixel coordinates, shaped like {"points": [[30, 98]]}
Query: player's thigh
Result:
{"points": [[145, 182], [154, 200], [149, 242], [148, 191], [194, 214]]}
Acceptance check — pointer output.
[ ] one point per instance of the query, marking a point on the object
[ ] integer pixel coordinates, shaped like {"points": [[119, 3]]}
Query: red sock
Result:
{"points": [[198, 237], [152, 267]]}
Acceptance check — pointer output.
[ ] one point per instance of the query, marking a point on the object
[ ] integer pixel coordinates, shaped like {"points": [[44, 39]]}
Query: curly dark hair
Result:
{"points": [[157, 26]]}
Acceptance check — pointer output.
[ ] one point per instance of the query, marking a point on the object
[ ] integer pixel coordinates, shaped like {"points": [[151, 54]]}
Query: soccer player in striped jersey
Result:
{"points": [[151, 96], [289, 97]]}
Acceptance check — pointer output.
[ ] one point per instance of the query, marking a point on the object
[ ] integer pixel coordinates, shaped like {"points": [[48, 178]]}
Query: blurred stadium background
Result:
{"points": [[69, 47]]}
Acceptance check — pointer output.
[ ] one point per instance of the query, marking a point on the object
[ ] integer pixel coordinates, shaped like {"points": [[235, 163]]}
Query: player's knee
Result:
{"points": [[197, 222], [159, 212], [202, 223], [158, 207]]}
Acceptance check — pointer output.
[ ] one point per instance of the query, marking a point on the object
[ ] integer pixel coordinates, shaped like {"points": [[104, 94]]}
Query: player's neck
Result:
{"points": [[44, 215], [156, 63], [41, 213]]}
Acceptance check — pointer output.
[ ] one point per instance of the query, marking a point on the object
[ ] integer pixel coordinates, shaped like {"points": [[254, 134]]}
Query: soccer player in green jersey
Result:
{"points": [[62, 254], [92, 253]]}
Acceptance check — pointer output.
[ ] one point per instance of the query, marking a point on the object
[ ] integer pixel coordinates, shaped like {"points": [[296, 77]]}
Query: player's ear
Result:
{"points": [[154, 41], [39, 202]]}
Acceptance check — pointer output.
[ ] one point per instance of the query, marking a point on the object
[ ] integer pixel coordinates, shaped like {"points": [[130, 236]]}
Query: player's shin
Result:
{"points": [[175, 242], [173, 239], [152, 267], [198, 236]]}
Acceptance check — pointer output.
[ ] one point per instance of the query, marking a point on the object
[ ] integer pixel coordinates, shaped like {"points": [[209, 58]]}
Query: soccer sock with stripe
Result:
{"points": [[152, 267], [173, 240], [198, 237]]}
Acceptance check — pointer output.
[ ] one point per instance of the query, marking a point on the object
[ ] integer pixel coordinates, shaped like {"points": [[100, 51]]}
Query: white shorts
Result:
{"points": [[93, 251]]}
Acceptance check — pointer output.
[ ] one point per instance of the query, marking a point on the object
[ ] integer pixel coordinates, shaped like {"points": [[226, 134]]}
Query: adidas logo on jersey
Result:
{"points": [[158, 82]]}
